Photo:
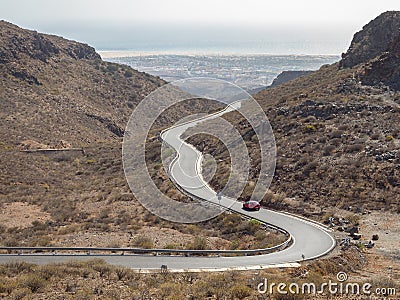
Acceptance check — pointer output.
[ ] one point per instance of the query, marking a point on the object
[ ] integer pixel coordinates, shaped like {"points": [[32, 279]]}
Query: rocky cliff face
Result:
{"points": [[375, 52], [377, 37], [384, 69]]}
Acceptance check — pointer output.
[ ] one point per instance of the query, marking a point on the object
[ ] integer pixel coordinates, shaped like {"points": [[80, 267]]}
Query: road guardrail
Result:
{"points": [[123, 251]]}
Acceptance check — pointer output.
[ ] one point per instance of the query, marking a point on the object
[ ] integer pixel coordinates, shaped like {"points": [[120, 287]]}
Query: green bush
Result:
{"points": [[389, 138], [253, 226]]}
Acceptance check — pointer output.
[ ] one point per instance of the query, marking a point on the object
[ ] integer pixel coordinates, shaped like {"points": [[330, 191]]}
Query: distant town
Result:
{"points": [[250, 72]]}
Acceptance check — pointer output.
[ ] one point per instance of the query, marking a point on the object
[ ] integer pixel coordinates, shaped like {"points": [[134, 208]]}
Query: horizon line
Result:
{"points": [[136, 53]]}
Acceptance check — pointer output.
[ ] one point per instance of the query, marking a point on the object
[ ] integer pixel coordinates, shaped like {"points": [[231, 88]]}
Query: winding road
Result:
{"points": [[310, 240]]}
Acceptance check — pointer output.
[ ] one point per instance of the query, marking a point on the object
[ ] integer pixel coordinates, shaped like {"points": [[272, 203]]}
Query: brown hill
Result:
{"points": [[66, 109], [53, 85], [56, 93], [286, 76], [337, 138]]}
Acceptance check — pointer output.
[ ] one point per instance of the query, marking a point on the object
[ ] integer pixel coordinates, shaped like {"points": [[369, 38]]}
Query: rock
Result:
{"points": [[373, 40], [23, 75], [375, 237], [63, 145], [353, 231], [377, 46], [82, 51], [387, 156], [110, 125], [370, 244], [356, 236], [384, 69], [32, 145]]}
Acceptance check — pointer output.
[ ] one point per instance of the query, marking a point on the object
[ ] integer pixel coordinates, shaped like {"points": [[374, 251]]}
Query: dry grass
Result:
{"points": [[97, 280], [21, 215]]}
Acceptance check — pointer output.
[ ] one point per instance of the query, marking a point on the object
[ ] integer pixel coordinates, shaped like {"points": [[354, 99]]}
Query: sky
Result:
{"points": [[259, 26]]}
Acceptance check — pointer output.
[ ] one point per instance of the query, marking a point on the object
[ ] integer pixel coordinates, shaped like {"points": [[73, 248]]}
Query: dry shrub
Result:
{"points": [[34, 282], [143, 242], [240, 291], [199, 243]]}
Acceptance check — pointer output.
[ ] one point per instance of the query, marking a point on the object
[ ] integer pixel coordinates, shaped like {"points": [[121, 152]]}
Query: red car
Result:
{"points": [[251, 205]]}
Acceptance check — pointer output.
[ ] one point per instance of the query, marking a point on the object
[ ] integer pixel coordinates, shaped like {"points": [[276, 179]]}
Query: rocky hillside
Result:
{"points": [[63, 113], [373, 40], [384, 69], [377, 49], [337, 138], [286, 76], [56, 93], [53, 85]]}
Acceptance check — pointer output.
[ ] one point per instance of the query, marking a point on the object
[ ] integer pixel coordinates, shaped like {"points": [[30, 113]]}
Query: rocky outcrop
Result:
{"points": [[17, 43], [286, 76], [110, 125], [375, 50], [385, 69], [373, 40], [24, 75], [32, 145]]}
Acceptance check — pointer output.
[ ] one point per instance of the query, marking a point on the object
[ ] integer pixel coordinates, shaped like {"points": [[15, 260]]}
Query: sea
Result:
{"points": [[249, 71]]}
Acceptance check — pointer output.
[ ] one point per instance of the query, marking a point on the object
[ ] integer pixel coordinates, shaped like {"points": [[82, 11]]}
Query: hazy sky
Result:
{"points": [[279, 26]]}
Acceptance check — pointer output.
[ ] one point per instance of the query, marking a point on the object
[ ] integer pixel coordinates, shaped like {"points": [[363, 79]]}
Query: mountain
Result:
{"points": [[375, 38], [59, 94], [336, 130], [337, 138], [286, 76], [376, 48], [337, 134], [54, 89]]}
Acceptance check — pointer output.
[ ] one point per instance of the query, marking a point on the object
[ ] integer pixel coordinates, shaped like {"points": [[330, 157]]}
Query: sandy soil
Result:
{"points": [[384, 258], [21, 214], [160, 236]]}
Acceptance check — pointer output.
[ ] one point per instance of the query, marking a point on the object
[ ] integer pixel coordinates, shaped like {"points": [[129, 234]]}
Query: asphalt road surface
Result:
{"points": [[310, 240]]}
